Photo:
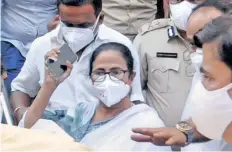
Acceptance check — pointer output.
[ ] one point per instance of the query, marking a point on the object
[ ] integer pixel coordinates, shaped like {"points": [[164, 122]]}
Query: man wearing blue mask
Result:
{"points": [[82, 29], [166, 63]]}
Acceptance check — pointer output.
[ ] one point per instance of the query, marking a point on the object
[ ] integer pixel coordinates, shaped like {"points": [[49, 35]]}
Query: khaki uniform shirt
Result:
{"points": [[166, 68], [127, 16]]}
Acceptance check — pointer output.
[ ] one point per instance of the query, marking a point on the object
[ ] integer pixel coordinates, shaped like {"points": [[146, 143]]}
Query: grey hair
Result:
{"points": [[220, 29]]}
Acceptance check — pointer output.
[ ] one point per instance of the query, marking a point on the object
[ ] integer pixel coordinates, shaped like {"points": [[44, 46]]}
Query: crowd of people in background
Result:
{"points": [[146, 74]]}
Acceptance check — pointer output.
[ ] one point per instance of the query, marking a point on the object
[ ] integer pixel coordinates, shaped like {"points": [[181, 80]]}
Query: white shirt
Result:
{"points": [[77, 87]]}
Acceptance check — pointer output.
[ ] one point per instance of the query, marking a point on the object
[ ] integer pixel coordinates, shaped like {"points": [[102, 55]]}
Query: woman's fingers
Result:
{"points": [[69, 67], [52, 53], [67, 72]]}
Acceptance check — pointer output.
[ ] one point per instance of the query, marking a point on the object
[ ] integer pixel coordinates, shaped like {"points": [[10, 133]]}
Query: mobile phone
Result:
{"points": [[58, 66]]}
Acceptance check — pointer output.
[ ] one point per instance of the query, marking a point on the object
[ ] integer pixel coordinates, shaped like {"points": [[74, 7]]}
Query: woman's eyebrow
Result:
{"points": [[100, 69]]}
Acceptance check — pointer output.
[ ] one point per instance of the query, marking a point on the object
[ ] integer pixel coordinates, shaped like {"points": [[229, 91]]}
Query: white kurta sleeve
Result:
{"points": [[28, 79]]}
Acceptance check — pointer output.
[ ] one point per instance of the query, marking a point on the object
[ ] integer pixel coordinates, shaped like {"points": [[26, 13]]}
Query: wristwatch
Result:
{"points": [[187, 130]]}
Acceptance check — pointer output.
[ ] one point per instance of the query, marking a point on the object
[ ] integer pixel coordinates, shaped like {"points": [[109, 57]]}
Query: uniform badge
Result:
{"points": [[166, 55], [171, 32]]}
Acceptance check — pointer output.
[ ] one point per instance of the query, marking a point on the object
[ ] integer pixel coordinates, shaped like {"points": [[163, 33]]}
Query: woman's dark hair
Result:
{"points": [[113, 46], [97, 4], [220, 30]]}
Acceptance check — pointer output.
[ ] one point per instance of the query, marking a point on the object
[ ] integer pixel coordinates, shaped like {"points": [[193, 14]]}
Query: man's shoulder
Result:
{"points": [[152, 33], [154, 26], [110, 35], [42, 44]]}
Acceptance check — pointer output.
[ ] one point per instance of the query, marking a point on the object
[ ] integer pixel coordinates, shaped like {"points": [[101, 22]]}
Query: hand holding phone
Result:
{"points": [[59, 63]]}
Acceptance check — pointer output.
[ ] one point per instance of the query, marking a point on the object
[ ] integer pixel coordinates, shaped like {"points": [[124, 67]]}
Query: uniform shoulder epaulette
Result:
{"points": [[153, 25]]}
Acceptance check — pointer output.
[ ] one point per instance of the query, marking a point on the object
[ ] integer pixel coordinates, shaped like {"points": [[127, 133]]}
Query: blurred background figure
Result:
{"points": [[127, 16], [22, 22], [3, 72]]}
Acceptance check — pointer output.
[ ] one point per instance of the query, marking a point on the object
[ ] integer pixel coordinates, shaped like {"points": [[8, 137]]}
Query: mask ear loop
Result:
{"points": [[229, 91], [95, 24]]}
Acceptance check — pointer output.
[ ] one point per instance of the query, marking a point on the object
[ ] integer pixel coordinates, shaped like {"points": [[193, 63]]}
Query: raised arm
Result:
{"points": [[36, 110]]}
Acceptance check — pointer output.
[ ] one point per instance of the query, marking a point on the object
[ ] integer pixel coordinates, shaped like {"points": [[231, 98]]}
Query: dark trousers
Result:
{"points": [[12, 61]]}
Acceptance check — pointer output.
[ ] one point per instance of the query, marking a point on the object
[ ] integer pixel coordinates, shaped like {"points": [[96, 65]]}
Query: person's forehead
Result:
{"points": [[85, 12], [108, 60], [211, 50], [211, 57], [108, 55], [200, 18]]}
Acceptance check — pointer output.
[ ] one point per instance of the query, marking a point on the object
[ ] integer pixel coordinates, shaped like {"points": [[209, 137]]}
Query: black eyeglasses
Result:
{"points": [[115, 75]]}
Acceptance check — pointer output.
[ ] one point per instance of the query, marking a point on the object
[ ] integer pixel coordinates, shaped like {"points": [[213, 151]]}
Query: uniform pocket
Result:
{"points": [[159, 72]]}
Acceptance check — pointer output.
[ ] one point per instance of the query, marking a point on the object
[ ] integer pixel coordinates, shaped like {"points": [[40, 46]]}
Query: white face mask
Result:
{"points": [[78, 38], [111, 92], [212, 110], [197, 58], [180, 13]]}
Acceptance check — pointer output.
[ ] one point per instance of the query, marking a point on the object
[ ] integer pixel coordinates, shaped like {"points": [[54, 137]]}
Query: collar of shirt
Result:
{"points": [[176, 34], [174, 30]]}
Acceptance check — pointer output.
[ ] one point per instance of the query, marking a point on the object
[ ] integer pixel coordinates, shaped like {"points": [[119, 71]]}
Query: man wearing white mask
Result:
{"points": [[200, 17], [166, 68], [82, 29], [211, 96]]}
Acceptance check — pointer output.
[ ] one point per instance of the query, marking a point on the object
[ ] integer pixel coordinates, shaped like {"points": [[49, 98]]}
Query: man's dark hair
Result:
{"points": [[113, 46], [224, 6], [219, 30], [97, 4]]}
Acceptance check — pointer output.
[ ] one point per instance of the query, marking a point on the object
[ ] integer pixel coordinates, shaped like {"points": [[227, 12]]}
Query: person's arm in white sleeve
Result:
{"points": [[26, 84]]}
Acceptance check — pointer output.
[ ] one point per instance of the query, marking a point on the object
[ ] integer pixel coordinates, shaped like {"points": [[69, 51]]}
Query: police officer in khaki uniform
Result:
{"points": [[166, 68], [127, 16]]}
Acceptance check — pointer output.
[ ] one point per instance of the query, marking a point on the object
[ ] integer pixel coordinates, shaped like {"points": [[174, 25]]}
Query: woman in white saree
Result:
{"points": [[105, 125]]}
